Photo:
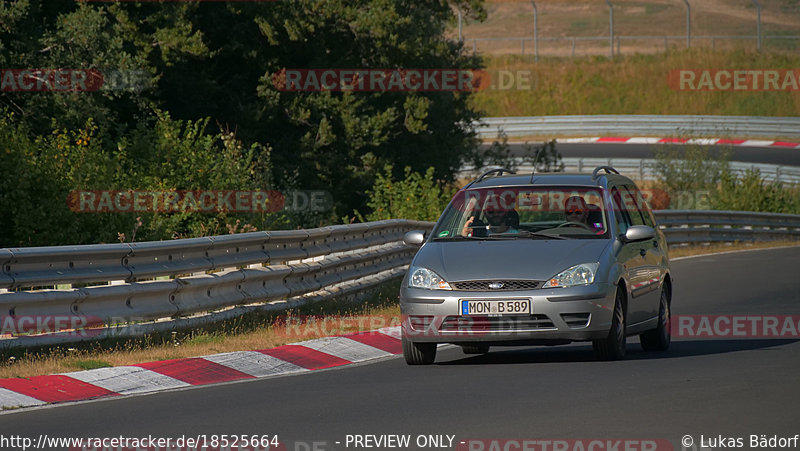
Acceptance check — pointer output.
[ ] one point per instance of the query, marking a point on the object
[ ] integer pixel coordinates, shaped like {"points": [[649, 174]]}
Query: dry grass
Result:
{"points": [[632, 85], [716, 248]]}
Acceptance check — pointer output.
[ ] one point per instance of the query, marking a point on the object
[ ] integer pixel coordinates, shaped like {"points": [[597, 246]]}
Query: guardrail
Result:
{"points": [[692, 226], [644, 169], [641, 125], [133, 289], [151, 286]]}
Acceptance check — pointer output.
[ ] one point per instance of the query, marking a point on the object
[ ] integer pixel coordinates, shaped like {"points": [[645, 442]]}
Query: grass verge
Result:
{"points": [[635, 84]]}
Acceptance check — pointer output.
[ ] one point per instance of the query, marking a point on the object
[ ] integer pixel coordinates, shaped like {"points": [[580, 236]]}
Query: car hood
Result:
{"points": [[507, 259]]}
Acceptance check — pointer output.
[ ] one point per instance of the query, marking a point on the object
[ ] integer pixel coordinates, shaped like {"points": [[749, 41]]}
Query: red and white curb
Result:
{"points": [[151, 377], [697, 141]]}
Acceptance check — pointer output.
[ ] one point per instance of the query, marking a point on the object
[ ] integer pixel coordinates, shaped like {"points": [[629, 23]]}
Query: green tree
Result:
{"points": [[416, 196]]}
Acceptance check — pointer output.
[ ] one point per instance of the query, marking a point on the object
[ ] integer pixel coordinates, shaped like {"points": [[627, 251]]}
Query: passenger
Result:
{"points": [[576, 210]]}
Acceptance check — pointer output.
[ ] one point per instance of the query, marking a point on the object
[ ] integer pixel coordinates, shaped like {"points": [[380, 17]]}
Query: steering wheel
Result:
{"points": [[574, 224]]}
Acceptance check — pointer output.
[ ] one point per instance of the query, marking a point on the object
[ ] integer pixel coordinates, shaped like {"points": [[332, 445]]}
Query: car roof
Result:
{"points": [[550, 178]]}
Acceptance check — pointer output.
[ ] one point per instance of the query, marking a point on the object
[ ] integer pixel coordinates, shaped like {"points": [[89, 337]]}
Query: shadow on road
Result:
{"points": [[583, 353]]}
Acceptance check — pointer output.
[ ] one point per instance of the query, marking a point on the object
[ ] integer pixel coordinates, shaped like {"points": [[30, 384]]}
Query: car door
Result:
{"points": [[631, 257], [652, 254]]}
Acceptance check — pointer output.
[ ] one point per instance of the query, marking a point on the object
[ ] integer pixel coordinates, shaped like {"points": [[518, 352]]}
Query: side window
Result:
{"points": [[644, 209], [621, 215], [631, 204]]}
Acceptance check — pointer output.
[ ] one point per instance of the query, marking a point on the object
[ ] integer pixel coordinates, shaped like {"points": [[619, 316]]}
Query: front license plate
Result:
{"points": [[506, 307]]}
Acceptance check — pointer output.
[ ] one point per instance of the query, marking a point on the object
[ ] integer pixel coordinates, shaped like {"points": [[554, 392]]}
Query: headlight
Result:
{"points": [[425, 278], [582, 274]]}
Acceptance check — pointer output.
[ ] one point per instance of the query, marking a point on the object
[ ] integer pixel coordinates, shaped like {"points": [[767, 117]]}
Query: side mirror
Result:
{"points": [[639, 233], [414, 237]]}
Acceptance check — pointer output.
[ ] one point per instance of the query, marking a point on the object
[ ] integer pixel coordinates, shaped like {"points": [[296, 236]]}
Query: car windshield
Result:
{"points": [[524, 212]]}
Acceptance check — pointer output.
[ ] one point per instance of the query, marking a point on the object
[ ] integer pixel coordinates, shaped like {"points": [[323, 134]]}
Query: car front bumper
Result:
{"points": [[558, 315]]}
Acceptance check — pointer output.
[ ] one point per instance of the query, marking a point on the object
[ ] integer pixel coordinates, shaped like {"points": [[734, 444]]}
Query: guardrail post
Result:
{"points": [[758, 11], [611, 26], [535, 32], [688, 23], [574, 41]]}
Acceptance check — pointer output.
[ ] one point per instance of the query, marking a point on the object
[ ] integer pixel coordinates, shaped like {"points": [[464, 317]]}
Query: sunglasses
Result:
{"points": [[574, 212]]}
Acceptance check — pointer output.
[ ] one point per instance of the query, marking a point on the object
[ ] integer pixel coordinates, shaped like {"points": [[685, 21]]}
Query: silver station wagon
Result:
{"points": [[539, 259]]}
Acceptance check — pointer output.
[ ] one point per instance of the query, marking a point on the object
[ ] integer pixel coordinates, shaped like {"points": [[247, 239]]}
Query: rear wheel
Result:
{"points": [[613, 346], [658, 339], [475, 349], [418, 353]]}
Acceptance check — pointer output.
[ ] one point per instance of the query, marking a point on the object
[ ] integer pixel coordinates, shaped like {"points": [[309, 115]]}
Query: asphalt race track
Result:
{"points": [[728, 387], [765, 155]]}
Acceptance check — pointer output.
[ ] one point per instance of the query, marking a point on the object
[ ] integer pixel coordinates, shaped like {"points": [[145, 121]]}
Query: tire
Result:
{"points": [[613, 346], [475, 349], [418, 353], [658, 339]]}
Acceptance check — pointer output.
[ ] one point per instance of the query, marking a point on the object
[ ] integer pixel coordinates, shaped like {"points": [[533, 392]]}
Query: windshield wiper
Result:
{"points": [[458, 238], [529, 234]]}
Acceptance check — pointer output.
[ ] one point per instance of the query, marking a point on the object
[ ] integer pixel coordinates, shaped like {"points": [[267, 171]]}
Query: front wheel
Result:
{"points": [[658, 339], [613, 346], [418, 353]]}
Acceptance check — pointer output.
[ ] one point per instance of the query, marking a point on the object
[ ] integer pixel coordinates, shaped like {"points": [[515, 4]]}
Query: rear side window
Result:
{"points": [[633, 205], [621, 214], [643, 208]]}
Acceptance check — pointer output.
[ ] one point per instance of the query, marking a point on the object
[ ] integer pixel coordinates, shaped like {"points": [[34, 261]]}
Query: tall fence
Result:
{"points": [[616, 39], [118, 290]]}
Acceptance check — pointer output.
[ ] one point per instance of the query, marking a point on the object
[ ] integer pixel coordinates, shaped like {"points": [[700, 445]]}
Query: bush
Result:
{"points": [[37, 175], [700, 180], [415, 197], [751, 192]]}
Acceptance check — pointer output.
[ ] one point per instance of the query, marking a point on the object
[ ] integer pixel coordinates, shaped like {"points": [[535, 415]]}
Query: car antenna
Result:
{"points": [[535, 159]]}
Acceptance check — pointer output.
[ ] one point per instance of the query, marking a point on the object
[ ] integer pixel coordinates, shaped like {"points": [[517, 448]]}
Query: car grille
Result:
{"points": [[576, 320], [495, 323], [507, 285]]}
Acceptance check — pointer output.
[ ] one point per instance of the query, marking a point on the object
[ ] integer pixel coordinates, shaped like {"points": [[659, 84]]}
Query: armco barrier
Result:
{"points": [[150, 286], [692, 226], [159, 286], [641, 125]]}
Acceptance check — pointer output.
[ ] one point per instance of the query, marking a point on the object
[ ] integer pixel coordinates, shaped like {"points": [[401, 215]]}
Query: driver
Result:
{"points": [[501, 219], [576, 210]]}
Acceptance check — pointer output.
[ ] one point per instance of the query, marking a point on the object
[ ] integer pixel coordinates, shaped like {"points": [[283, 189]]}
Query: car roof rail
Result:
{"points": [[498, 171], [608, 169]]}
